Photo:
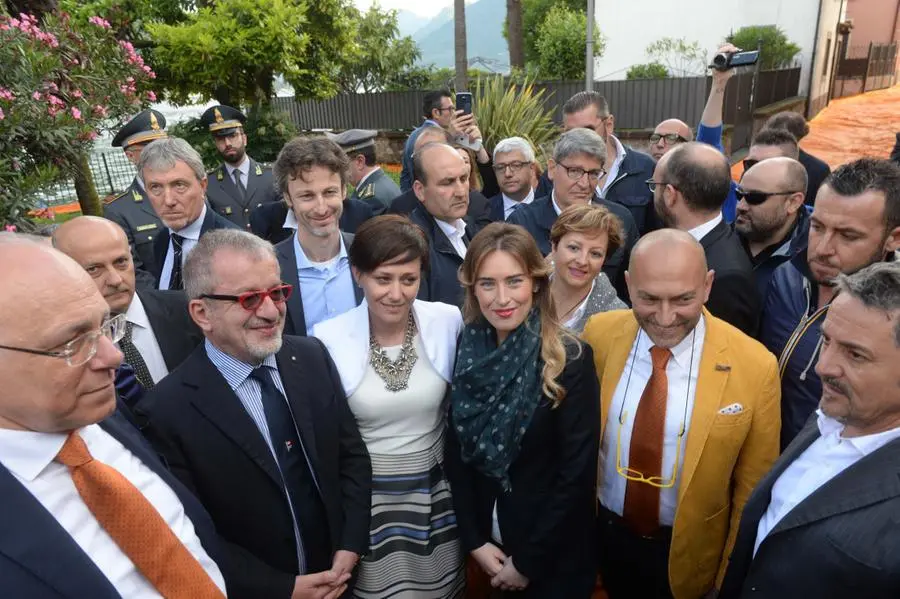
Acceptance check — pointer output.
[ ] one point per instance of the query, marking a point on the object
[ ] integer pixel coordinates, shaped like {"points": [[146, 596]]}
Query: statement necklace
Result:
{"points": [[395, 374]]}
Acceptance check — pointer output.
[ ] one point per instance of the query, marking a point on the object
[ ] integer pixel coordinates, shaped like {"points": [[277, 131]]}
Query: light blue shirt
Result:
{"points": [[326, 289], [249, 392]]}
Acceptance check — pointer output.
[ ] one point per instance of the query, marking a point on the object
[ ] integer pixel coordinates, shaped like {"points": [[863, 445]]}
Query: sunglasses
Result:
{"points": [[252, 300], [671, 138], [755, 198], [749, 162]]}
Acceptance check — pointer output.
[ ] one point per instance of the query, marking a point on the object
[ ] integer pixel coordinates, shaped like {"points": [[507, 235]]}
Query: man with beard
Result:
{"points": [[772, 222], [823, 522], [312, 176], [855, 223], [689, 185], [258, 427], [240, 184], [690, 425]]}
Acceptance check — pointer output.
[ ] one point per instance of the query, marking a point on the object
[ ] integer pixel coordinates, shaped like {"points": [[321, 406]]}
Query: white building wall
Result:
{"points": [[631, 25]]}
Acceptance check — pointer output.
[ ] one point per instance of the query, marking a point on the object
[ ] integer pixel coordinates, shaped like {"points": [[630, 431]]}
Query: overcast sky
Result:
{"points": [[427, 8]]}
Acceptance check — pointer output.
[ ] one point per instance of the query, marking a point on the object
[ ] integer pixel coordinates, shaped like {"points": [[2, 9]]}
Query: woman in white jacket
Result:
{"points": [[395, 356]]}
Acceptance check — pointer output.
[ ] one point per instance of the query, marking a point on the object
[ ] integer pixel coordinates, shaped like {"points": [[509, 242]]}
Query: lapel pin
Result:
{"points": [[294, 358], [723, 367], [258, 170]]}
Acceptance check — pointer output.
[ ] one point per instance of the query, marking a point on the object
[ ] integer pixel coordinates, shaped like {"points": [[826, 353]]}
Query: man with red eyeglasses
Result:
{"points": [[257, 425]]}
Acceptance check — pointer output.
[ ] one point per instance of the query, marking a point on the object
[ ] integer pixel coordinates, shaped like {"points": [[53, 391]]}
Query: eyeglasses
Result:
{"points": [[671, 138], [252, 300], [749, 162], [576, 172], [81, 349], [755, 198], [652, 185], [633, 475], [441, 110], [514, 167]]}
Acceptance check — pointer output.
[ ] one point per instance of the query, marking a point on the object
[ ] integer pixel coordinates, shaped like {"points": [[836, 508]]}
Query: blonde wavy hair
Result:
{"points": [[517, 242]]}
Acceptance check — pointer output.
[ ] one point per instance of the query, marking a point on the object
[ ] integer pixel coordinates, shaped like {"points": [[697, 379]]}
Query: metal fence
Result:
{"points": [[637, 104], [112, 172]]}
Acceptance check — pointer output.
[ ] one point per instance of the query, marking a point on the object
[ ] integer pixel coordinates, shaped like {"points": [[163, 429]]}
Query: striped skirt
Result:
{"points": [[414, 548]]}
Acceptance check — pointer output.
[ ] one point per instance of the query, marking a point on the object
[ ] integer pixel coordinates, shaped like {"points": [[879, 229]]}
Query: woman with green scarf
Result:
{"points": [[524, 426]]}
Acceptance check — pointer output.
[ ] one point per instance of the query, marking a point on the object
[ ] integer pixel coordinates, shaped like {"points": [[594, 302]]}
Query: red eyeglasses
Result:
{"points": [[252, 300]]}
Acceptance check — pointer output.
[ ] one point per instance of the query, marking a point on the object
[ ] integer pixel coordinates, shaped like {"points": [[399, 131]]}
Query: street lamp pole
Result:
{"points": [[589, 53]]}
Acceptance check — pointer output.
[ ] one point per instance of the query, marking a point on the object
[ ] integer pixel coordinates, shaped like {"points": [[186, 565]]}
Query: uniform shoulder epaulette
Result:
{"points": [[112, 198]]}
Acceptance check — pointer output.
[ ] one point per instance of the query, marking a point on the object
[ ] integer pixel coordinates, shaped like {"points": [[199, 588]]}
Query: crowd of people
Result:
{"points": [[624, 371]]}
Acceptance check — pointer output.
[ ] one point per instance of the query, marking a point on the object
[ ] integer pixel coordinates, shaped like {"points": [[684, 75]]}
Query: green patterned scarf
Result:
{"points": [[495, 393]]}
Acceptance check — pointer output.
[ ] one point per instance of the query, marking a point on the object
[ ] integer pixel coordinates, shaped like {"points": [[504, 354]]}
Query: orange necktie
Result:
{"points": [[136, 526], [641, 499]]}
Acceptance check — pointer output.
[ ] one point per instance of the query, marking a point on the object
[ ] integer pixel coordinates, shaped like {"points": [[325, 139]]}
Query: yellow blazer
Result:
{"points": [[725, 455]]}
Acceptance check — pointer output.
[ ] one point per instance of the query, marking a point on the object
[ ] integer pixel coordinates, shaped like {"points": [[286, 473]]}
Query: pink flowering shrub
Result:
{"points": [[62, 82]]}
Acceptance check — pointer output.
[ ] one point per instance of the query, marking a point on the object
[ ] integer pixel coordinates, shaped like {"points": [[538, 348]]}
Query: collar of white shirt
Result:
{"points": [[454, 230], [304, 262], [831, 430], [366, 178], [290, 221], [509, 204], [244, 167], [27, 453], [700, 231], [613, 172], [681, 353], [556, 207], [136, 314], [192, 231]]}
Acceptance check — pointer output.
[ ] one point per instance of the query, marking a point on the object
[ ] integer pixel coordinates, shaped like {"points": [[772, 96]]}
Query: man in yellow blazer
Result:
{"points": [[690, 423]]}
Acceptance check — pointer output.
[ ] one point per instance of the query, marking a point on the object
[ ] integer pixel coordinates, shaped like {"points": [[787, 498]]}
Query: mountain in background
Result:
{"points": [[409, 22], [484, 35]]}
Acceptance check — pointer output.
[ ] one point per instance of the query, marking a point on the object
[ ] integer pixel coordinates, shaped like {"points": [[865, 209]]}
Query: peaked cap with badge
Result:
{"points": [[377, 188], [233, 199], [131, 209]]}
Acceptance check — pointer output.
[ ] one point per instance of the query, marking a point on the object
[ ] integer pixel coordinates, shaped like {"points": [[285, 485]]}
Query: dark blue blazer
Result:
{"points": [[210, 221], [539, 216], [295, 319], [267, 220], [38, 558], [496, 204], [441, 282]]}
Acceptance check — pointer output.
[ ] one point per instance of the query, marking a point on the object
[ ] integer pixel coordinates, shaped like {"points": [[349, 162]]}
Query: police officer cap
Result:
{"points": [[223, 120], [146, 126], [353, 140]]}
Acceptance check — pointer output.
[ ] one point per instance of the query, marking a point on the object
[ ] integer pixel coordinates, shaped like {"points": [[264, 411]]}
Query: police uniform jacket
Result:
{"points": [[133, 211], [225, 198]]}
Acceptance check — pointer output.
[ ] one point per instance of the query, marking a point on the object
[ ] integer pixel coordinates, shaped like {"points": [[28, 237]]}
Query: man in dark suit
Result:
{"points": [[257, 425], [371, 184], [131, 209], [240, 184], [160, 334], [176, 184], [69, 464], [479, 210], [273, 222], [823, 522], [690, 185], [817, 170], [513, 161], [441, 186], [577, 164], [311, 174]]}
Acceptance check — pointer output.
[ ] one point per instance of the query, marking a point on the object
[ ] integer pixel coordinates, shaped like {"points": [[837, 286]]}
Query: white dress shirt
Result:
{"points": [[701, 231], [825, 458], [578, 312], [681, 372], [510, 205], [243, 168], [613, 171], [191, 234], [29, 456], [454, 232], [144, 339]]}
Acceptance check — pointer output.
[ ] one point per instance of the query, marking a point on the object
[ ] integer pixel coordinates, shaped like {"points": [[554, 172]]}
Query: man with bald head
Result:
{"points": [[442, 188], [691, 422], [772, 222], [689, 186], [159, 333], [667, 135], [87, 506]]}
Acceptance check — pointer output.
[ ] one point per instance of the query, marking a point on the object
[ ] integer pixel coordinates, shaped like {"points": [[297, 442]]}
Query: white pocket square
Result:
{"points": [[733, 409]]}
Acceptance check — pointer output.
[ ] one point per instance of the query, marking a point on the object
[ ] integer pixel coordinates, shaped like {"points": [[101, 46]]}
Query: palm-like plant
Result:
{"points": [[506, 110]]}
